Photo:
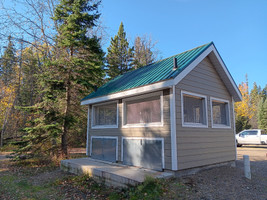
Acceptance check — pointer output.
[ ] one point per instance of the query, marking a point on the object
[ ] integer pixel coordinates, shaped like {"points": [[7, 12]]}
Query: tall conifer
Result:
{"points": [[76, 68], [120, 55], [8, 64]]}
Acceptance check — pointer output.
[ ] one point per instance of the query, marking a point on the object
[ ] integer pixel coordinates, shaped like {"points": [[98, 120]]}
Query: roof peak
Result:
{"points": [[155, 72]]}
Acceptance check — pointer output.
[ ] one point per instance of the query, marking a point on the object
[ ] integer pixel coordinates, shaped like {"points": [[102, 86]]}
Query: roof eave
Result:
{"points": [[131, 92], [211, 51]]}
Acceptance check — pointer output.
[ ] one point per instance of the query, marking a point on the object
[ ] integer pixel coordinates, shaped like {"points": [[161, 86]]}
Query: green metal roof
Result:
{"points": [[155, 72]]}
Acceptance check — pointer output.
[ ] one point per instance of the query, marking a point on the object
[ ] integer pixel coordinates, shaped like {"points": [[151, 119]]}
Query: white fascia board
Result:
{"points": [[167, 83], [226, 71], [131, 92], [189, 68]]}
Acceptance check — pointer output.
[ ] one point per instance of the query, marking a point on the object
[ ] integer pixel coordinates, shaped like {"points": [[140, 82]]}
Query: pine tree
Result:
{"points": [[262, 114], [8, 64], [262, 109], [144, 53], [254, 101], [76, 68], [120, 55]]}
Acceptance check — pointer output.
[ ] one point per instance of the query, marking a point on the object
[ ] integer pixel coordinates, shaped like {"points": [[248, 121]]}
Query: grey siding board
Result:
{"points": [[161, 131], [203, 146]]}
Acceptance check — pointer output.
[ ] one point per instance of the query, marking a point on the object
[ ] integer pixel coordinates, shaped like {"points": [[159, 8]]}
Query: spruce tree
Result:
{"points": [[120, 55], [254, 101], [262, 110], [76, 68], [8, 64]]}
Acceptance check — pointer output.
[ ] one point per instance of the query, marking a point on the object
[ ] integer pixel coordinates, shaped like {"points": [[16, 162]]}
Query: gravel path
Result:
{"points": [[229, 183]]}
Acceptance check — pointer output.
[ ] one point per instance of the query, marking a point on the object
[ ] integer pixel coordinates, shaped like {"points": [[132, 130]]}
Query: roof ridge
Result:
{"points": [[163, 60], [148, 74], [183, 52]]}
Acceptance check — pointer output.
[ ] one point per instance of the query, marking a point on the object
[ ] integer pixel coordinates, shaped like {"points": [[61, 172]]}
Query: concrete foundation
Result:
{"points": [[112, 174]]}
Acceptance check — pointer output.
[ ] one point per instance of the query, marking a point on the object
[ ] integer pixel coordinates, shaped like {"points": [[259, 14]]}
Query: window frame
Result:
{"points": [[190, 124], [227, 113], [105, 126], [105, 137], [140, 97]]}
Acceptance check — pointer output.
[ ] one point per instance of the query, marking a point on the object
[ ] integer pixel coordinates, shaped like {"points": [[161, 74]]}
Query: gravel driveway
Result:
{"points": [[229, 183]]}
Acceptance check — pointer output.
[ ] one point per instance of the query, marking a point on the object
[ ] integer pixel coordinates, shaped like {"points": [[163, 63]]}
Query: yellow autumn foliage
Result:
{"points": [[243, 107], [7, 96]]}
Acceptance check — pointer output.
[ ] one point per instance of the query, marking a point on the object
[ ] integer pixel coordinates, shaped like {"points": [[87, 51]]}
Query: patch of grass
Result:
{"points": [[35, 162], [77, 155], [150, 189], [85, 183], [16, 187]]}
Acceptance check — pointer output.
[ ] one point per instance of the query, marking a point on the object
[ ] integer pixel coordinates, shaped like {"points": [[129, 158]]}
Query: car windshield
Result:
{"points": [[263, 132]]}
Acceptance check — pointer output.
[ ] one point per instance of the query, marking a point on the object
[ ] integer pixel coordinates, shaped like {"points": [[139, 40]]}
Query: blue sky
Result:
{"points": [[237, 27]]}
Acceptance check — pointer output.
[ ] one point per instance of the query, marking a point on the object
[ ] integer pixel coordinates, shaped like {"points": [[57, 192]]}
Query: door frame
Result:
{"points": [[145, 138]]}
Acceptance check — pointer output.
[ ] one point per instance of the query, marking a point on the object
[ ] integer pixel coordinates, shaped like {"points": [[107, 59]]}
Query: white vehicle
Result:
{"points": [[252, 136]]}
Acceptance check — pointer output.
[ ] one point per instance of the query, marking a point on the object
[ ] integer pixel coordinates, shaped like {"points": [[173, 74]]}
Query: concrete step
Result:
{"points": [[112, 174]]}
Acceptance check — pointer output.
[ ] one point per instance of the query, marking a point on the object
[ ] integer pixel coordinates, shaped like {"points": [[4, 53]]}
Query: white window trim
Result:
{"points": [[104, 126], [228, 113], [145, 138], [124, 125], [105, 137], [194, 125]]}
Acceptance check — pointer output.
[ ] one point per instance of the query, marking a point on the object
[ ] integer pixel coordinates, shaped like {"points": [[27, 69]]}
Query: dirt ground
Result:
{"points": [[229, 183], [222, 183]]}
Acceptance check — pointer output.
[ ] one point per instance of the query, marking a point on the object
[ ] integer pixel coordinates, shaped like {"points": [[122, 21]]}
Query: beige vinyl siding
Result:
{"points": [[157, 131], [203, 146]]}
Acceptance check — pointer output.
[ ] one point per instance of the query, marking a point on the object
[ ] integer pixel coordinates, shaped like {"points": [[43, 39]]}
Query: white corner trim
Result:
{"points": [[173, 130], [194, 125], [104, 126], [140, 97], [145, 138], [227, 113], [131, 92], [105, 137], [87, 132], [233, 110]]}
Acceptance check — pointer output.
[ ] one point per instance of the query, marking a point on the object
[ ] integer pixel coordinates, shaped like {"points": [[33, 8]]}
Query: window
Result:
{"points": [[194, 110], [105, 115], [245, 133], [220, 113], [144, 110]]}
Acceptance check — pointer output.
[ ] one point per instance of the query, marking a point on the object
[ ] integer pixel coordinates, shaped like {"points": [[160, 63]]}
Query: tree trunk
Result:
{"points": [[64, 140]]}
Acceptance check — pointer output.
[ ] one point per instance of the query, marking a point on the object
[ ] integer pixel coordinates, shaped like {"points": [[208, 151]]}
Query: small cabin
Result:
{"points": [[174, 114]]}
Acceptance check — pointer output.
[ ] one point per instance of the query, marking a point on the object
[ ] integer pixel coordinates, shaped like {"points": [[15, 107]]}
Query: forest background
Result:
{"points": [[53, 56]]}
